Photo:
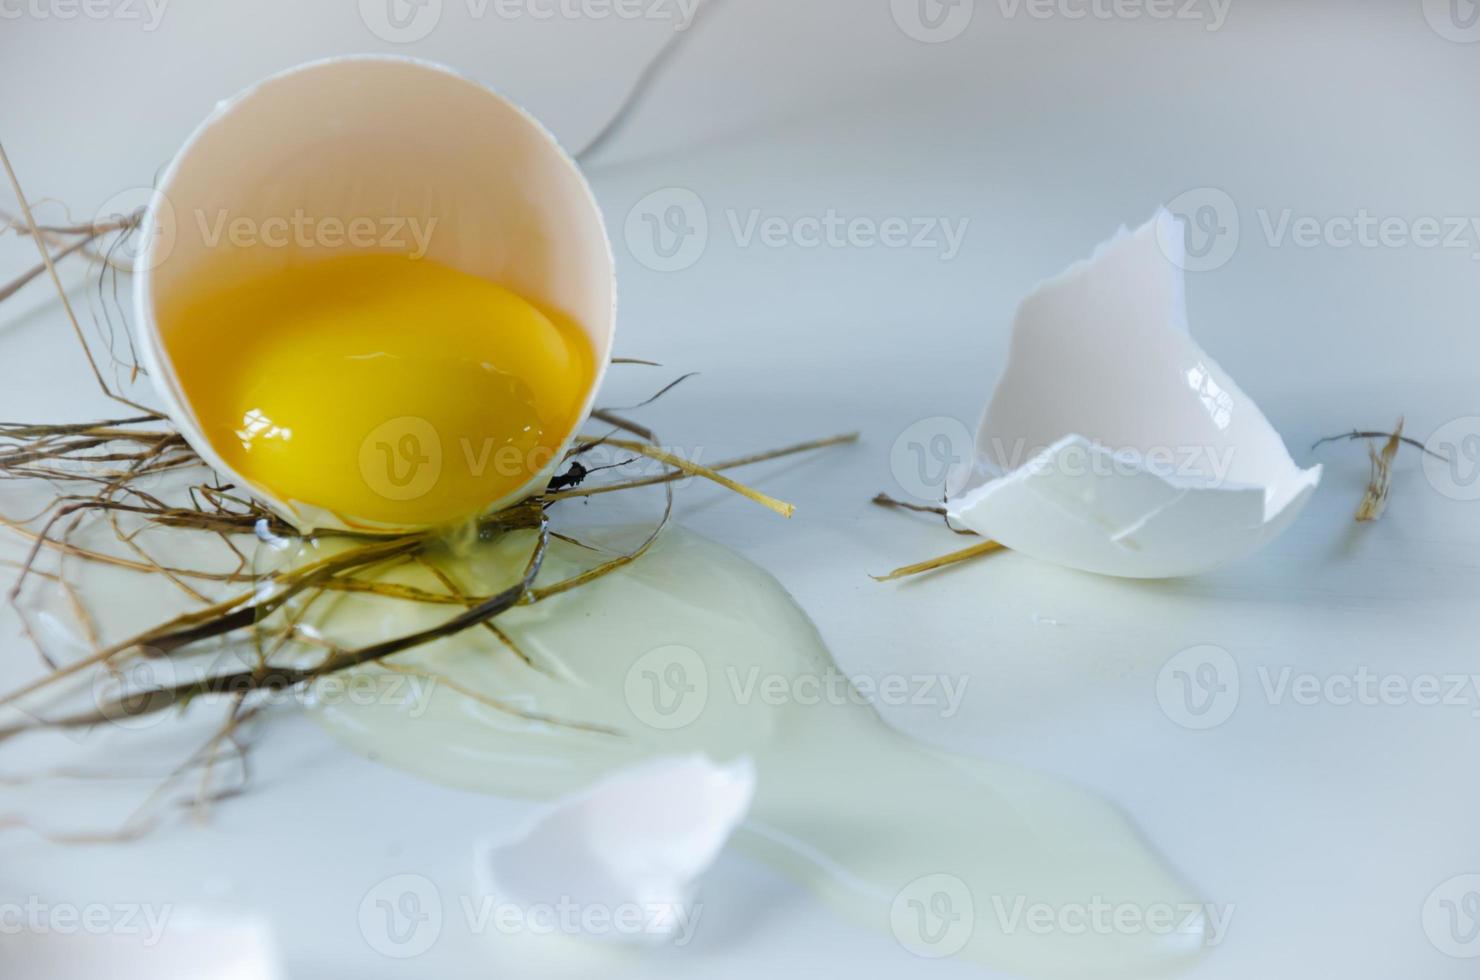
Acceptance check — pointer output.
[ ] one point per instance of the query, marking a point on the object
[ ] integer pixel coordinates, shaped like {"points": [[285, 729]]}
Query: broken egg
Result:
{"points": [[632, 846], [1114, 443], [695, 653], [377, 294]]}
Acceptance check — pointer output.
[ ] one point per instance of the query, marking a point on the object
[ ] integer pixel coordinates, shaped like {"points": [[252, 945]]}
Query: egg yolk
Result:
{"points": [[383, 389]]}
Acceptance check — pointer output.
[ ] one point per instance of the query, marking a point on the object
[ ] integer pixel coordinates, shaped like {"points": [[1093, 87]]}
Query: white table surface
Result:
{"points": [[1327, 826]]}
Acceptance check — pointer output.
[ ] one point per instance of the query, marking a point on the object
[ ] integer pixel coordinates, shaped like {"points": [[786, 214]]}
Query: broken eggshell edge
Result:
{"points": [[640, 838], [1147, 459], [376, 136]]}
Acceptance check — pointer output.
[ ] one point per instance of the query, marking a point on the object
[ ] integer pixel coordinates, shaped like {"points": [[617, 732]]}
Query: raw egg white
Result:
{"points": [[671, 656]]}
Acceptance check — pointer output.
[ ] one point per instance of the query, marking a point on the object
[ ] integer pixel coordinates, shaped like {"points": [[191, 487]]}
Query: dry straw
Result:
{"points": [[108, 474]]}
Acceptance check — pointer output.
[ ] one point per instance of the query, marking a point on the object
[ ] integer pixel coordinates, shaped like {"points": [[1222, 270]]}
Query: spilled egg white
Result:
{"points": [[1114, 443], [874, 824], [391, 140]]}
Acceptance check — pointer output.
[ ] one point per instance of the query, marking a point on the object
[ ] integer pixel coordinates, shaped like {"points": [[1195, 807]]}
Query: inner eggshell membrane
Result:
{"points": [[385, 297]]}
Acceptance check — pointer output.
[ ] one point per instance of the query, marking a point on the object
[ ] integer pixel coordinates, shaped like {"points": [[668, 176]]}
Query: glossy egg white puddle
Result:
{"points": [[946, 853]]}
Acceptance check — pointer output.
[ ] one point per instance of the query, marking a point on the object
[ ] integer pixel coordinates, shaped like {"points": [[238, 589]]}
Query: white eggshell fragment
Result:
{"points": [[631, 848], [1113, 443], [437, 164]]}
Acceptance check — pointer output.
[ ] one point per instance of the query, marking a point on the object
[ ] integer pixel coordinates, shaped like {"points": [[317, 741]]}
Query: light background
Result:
{"points": [[1326, 826]]}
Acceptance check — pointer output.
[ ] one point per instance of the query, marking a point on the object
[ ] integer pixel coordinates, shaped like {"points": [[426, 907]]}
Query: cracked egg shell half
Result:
{"points": [[377, 295], [1113, 443], [641, 837]]}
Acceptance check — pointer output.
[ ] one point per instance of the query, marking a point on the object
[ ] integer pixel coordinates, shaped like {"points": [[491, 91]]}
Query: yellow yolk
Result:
{"points": [[383, 389]]}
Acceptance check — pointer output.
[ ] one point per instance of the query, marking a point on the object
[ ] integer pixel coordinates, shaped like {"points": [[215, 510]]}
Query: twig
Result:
{"points": [[1379, 488], [1354, 435], [728, 464], [955, 558], [694, 469], [884, 500], [644, 83], [56, 280], [21, 281]]}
